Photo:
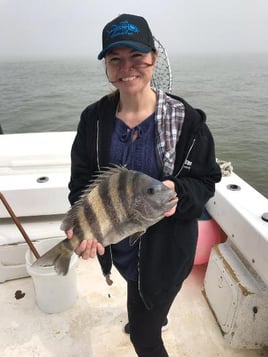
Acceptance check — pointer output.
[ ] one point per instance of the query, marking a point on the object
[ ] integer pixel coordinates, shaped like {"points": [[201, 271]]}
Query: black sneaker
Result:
{"points": [[164, 327]]}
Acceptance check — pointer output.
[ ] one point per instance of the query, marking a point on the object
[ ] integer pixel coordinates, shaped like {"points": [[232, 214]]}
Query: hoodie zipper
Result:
{"points": [[110, 252], [139, 280], [97, 144]]}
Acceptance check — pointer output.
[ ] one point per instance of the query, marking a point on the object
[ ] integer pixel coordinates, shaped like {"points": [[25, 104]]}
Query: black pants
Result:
{"points": [[145, 325]]}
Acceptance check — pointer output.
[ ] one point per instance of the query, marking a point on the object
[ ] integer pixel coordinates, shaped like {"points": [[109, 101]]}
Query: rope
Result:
{"points": [[226, 167]]}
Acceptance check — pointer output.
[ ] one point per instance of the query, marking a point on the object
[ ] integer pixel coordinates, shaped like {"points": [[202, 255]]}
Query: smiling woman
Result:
{"points": [[150, 131]]}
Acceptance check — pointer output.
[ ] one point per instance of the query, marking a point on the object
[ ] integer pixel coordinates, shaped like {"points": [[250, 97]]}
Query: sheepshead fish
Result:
{"points": [[120, 203]]}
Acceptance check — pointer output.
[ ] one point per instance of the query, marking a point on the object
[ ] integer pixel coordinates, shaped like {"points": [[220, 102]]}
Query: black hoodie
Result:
{"points": [[167, 249]]}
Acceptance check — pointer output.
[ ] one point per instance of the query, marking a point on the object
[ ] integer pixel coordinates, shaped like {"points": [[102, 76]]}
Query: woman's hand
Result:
{"points": [[170, 184], [87, 248]]}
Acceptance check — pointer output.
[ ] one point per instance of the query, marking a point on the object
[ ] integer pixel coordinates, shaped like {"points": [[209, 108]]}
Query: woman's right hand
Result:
{"points": [[88, 248]]}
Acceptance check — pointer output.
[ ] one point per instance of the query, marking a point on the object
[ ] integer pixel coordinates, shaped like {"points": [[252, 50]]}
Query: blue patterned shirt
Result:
{"points": [[136, 149]]}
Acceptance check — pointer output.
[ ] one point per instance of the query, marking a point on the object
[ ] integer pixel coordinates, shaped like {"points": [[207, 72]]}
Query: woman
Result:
{"points": [[163, 136]]}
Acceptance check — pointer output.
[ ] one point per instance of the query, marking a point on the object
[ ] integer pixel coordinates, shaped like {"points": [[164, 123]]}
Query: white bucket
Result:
{"points": [[54, 293]]}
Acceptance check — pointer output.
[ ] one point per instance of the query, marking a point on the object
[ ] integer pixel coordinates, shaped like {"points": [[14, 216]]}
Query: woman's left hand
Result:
{"points": [[87, 248], [170, 184]]}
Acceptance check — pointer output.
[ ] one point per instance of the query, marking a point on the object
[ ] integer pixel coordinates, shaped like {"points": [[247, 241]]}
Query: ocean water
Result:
{"points": [[49, 95]]}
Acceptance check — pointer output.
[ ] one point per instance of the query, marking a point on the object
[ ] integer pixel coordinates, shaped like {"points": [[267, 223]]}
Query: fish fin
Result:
{"points": [[68, 220], [108, 280], [65, 224], [134, 237], [58, 256], [99, 177]]}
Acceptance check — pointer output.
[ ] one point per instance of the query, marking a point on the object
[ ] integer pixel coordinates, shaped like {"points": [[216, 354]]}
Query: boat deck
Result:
{"points": [[93, 326]]}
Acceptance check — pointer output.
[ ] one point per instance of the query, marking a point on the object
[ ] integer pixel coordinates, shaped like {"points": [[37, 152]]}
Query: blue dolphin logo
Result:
{"points": [[123, 28]]}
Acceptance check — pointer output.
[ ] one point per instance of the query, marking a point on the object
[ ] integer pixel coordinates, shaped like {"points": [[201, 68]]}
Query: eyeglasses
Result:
{"points": [[135, 61]]}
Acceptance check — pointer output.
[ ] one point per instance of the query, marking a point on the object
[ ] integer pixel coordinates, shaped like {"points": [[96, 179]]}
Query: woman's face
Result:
{"points": [[128, 70]]}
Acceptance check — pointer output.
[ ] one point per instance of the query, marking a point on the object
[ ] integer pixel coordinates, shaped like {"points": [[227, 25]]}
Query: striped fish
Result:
{"points": [[120, 203]]}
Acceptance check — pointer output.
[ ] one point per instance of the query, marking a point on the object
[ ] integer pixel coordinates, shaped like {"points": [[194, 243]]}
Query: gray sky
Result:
{"points": [[73, 27]]}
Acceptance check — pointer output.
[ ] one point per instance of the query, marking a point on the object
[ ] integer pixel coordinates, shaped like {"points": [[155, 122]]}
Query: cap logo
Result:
{"points": [[123, 28]]}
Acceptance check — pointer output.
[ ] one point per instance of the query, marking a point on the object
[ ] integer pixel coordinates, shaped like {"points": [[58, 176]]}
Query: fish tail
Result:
{"points": [[59, 256]]}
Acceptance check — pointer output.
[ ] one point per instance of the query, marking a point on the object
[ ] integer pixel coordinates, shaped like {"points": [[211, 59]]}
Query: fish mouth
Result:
{"points": [[172, 201]]}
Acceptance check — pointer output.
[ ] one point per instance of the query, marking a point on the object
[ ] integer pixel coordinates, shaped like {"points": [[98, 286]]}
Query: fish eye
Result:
{"points": [[151, 191]]}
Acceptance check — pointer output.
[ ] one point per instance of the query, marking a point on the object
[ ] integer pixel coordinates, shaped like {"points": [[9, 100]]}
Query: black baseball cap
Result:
{"points": [[128, 31]]}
